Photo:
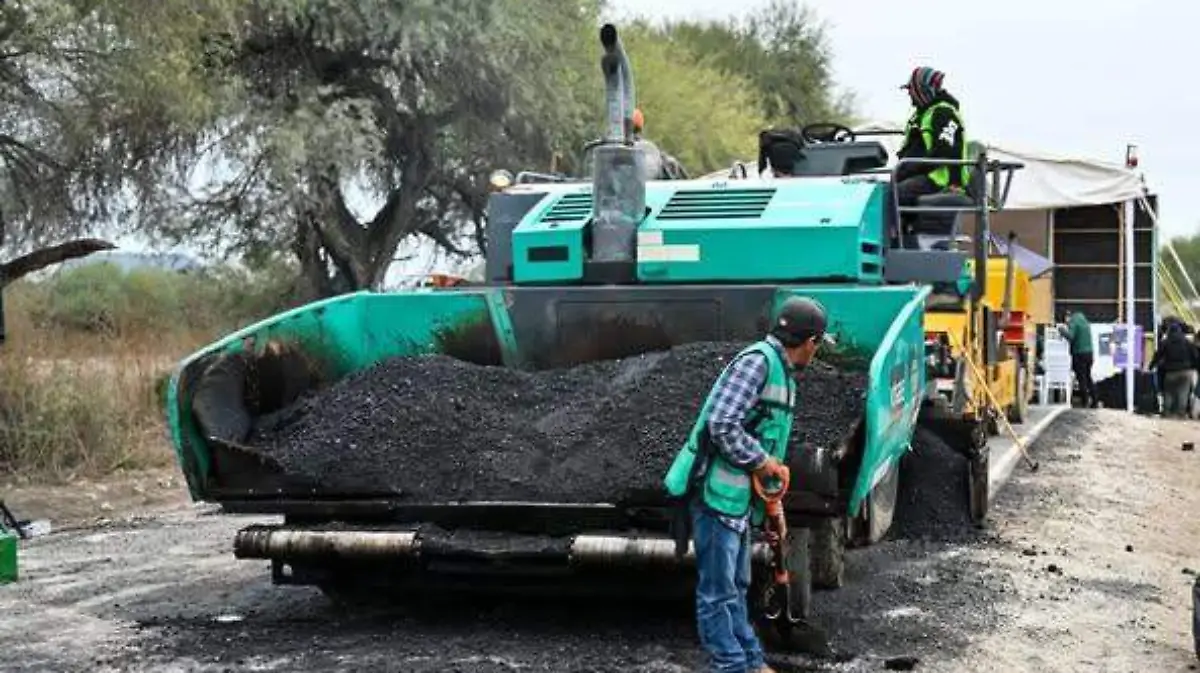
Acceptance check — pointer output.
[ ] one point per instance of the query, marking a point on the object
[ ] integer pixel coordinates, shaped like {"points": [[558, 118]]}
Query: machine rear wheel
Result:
{"points": [[878, 510], [828, 551], [977, 485], [1019, 410]]}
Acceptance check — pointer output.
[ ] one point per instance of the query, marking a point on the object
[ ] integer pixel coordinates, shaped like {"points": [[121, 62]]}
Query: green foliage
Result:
{"points": [[702, 116], [104, 300], [1188, 249], [782, 49], [337, 130], [94, 99]]}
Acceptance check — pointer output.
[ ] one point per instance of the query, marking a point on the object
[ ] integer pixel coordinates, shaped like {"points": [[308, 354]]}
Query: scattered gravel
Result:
{"points": [[435, 428]]}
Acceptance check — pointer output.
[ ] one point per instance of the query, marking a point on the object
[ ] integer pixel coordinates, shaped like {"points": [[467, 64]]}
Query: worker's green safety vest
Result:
{"points": [[727, 489], [940, 176]]}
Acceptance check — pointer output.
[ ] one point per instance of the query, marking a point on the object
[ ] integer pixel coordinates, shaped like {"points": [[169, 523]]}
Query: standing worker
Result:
{"points": [[1078, 333], [742, 430], [935, 130], [1175, 360]]}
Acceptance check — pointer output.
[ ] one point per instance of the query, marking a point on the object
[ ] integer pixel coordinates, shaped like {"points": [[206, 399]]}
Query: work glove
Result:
{"points": [[771, 469]]}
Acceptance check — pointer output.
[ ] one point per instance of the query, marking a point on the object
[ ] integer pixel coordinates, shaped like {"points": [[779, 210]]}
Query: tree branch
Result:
{"points": [[39, 259]]}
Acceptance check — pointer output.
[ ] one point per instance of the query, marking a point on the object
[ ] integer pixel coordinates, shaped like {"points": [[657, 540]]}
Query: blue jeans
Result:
{"points": [[722, 615]]}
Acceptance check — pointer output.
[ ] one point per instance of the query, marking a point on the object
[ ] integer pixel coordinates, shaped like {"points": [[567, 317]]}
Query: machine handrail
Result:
{"points": [[998, 193], [981, 207]]}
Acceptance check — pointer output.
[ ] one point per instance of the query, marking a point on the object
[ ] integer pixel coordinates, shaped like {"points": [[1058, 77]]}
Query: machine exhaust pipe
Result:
{"points": [[618, 173], [620, 94], [597, 551]]}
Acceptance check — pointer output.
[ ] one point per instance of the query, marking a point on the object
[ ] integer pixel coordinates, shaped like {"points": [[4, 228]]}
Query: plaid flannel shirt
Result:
{"points": [[733, 399]]}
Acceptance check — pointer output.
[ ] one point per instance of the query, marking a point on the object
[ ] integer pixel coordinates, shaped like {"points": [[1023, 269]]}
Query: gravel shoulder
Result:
{"points": [[1101, 549], [165, 593]]}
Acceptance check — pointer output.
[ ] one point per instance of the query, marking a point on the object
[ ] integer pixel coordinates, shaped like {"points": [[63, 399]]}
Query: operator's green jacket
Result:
{"points": [[1078, 334], [936, 132], [723, 487]]}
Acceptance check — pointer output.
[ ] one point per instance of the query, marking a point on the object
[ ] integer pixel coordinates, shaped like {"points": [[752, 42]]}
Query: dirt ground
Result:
{"points": [[1087, 566], [80, 503]]}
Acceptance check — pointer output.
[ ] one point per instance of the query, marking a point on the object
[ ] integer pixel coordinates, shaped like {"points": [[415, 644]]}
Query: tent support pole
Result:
{"points": [[1130, 312]]}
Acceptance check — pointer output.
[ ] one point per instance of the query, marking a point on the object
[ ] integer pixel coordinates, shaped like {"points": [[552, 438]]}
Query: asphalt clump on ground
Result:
{"points": [[434, 428]]}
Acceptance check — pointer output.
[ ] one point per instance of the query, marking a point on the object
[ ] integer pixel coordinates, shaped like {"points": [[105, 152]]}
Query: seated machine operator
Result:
{"points": [[934, 131]]}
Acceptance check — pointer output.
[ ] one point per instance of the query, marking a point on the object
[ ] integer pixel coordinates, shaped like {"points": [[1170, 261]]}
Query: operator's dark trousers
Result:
{"points": [[1082, 366], [907, 193], [1177, 388]]}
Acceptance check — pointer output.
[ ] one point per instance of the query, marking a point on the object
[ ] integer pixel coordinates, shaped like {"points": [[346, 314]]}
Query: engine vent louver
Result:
{"points": [[569, 208], [717, 205]]}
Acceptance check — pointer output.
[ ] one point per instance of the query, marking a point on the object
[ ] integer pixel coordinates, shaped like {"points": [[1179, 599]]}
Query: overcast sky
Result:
{"points": [[1082, 77]]}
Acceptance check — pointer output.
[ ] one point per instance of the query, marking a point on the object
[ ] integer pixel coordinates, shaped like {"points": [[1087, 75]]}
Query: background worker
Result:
{"points": [[1078, 333], [742, 429], [659, 164], [1175, 359]]}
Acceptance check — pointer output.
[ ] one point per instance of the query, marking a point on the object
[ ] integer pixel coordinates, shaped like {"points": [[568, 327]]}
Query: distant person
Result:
{"points": [[1176, 361], [659, 164], [1078, 333]]}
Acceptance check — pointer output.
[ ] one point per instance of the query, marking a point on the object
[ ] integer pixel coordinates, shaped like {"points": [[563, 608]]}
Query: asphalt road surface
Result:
{"points": [[1087, 566]]}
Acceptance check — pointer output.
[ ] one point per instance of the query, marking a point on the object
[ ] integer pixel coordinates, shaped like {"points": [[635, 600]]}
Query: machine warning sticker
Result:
{"points": [[650, 238], [669, 253]]}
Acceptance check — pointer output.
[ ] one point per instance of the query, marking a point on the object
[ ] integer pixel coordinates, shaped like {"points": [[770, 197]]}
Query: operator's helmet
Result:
{"points": [[923, 84], [639, 121]]}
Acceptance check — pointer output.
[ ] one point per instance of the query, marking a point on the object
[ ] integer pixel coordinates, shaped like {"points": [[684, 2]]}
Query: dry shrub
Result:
{"points": [[84, 366], [63, 417]]}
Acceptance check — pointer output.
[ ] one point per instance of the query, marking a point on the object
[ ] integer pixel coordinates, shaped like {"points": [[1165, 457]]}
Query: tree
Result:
{"points": [[406, 105], [703, 116], [71, 135], [333, 131], [783, 50]]}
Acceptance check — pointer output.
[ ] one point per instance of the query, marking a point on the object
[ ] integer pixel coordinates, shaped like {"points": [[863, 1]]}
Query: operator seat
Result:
{"points": [[938, 231]]}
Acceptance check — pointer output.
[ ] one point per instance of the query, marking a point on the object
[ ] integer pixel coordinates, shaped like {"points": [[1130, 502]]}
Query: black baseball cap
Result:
{"points": [[802, 316]]}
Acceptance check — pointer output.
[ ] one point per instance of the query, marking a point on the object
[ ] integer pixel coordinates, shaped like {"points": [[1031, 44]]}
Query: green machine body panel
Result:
{"points": [[886, 322], [789, 230], [540, 327], [820, 229]]}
